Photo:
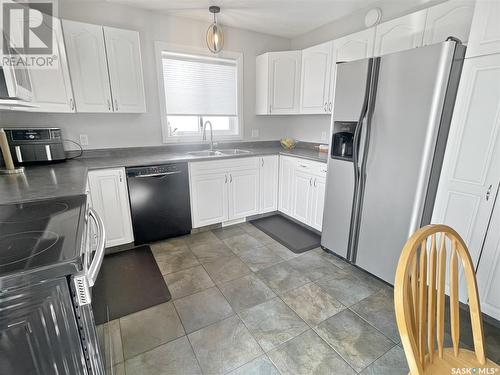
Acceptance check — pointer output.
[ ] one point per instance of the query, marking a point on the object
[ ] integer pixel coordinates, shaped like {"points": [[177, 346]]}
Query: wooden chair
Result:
{"points": [[419, 297]]}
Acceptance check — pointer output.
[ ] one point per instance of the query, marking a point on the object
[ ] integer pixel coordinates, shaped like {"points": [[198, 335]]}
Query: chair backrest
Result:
{"points": [[419, 295]]}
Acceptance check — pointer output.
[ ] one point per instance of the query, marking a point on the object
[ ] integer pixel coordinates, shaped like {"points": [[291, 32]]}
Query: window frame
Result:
{"points": [[160, 48]]}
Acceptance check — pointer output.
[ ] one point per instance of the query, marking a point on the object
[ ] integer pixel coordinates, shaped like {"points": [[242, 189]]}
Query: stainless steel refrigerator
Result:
{"points": [[390, 124]]}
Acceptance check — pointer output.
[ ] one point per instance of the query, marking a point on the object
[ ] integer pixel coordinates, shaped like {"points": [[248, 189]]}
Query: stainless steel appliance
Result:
{"points": [[395, 110], [159, 201], [35, 145], [47, 266]]}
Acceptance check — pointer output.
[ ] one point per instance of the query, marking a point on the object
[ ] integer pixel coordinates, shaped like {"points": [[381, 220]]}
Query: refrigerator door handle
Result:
{"points": [[355, 158]]}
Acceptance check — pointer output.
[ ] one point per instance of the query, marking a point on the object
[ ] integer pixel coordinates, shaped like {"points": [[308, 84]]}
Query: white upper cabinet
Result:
{"points": [[451, 18], [88, 67], [315, 79], [400, 34], [105, 64], [278, 82], [52, 90], [348, 48], [354, 46], [125, 70], [484, 36]]}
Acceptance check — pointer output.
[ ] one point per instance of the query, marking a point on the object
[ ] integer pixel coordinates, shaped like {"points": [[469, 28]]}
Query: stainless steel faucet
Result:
{"points": [[211, 134]]}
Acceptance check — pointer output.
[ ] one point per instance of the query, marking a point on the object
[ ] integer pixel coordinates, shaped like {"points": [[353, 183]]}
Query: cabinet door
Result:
{"points": [[400, 34], [315, 79], [471, 167], [302, 193], [87, 63], [209, 198], [348, 48], [243, 193], [268, 184], [484, 36], [318, 202], [52, 90], [488, 272], [108, 189], [451, 18], [285, 185], [285, 82], [123, 50]]}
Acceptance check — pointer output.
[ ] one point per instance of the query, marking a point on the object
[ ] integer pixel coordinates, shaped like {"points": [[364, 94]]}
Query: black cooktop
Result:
{"points": [[40, 234]]}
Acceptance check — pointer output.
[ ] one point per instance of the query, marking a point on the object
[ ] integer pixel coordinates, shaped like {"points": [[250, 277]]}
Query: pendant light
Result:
{"points": [[215, 37]]}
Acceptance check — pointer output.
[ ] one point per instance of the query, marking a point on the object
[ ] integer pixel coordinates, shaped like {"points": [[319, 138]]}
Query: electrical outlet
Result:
{"points": [[255, 133], [84, 139], [323, 136]]}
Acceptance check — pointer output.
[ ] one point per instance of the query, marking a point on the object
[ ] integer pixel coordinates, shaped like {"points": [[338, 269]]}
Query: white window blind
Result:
{"points": [[199, 86]]}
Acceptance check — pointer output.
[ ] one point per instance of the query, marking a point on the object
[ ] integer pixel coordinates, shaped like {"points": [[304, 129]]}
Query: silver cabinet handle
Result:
{"points": [[101, 245], [315, 182], [262, 162], [109, 105], [230, 178], [330, 107], [19, 154], [116, 105], [488, 192], [325, 107], [302, 166], [310, 181], [226, 179], [72, 104]]}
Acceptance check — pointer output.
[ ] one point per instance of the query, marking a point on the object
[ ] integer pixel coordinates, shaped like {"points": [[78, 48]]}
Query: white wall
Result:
{"points": [[311, 127], [128, 130]]}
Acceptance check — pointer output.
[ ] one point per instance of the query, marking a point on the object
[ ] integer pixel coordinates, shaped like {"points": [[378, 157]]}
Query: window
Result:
{"points": [[196, 88]]}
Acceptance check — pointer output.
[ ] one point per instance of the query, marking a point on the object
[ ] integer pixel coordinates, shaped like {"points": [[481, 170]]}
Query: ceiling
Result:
{"points": [[286, 18]]}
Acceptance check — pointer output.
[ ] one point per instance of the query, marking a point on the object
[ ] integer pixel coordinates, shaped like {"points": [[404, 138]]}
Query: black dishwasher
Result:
{"points": [[159, 201]]}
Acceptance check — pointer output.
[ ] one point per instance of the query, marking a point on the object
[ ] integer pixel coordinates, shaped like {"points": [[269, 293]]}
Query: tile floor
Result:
{"points": [[244, 304]]}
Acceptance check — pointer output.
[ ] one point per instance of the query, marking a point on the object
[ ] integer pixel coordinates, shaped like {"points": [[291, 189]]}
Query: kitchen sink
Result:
{"points": [[234, 151], [205, 153]]}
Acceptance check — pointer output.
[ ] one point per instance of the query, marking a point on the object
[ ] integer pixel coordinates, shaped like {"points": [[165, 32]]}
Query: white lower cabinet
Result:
{"points": [[209, 198], [269, 166], [232, 189], [287, 165], [302, 193], [318, 202], [302, 190], [109, 196], [243, 193]]}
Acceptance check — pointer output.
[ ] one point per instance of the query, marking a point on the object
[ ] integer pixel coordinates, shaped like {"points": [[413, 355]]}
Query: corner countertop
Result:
{"points": [[70, 177]]}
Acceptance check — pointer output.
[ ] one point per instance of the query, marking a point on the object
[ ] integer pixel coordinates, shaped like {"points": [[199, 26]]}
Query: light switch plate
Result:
{"points": [[255, 133]]}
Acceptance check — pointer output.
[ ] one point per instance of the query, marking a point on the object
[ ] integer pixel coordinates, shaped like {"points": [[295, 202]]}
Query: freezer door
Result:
{"points": [[349, 100], [410, 101]]}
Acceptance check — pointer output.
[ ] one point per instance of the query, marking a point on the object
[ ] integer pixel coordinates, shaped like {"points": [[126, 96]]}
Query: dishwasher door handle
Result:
{"points": [[157, 174]]}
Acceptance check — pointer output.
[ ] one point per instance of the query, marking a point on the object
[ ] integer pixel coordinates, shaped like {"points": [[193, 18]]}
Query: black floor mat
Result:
{"points": [[288, 233], [128, 282]]}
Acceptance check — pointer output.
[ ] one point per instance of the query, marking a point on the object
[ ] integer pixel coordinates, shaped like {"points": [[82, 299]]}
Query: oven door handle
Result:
{"points": [[95, 266]]}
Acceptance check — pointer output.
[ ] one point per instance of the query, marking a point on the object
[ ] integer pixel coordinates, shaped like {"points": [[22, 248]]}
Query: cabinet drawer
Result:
{"points": [[217, 166]]}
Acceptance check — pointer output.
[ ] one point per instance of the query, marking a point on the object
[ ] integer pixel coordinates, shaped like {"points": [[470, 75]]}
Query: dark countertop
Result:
{"points": [[70, 177]]}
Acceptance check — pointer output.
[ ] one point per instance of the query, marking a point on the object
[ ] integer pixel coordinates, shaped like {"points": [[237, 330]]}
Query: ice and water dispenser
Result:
{"points": [[343, 139]]}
